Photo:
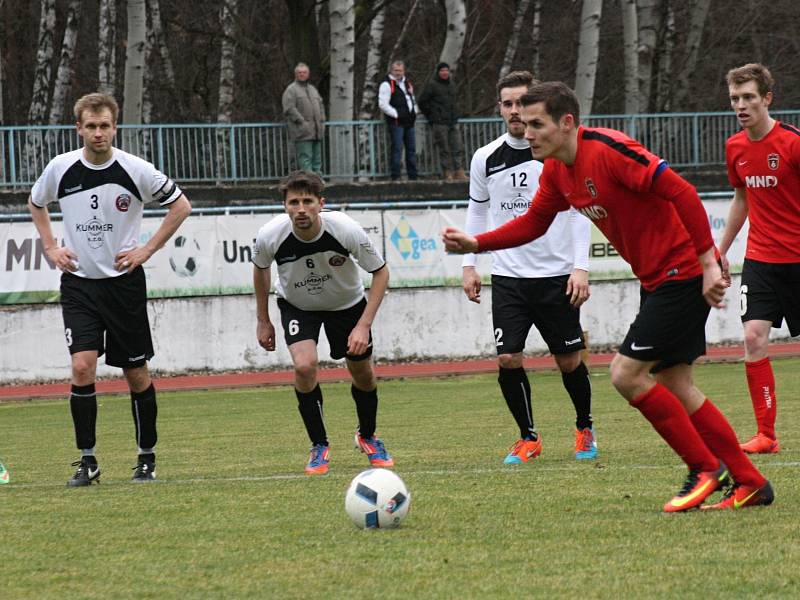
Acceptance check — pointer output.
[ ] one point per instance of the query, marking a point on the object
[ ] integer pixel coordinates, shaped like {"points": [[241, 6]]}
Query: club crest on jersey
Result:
{"points": [[773, 161], [123, 202], [591, 187], [337, 260]]}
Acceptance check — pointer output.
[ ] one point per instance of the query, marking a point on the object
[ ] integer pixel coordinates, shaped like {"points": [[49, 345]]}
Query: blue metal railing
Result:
{"points": [[248, 152]]}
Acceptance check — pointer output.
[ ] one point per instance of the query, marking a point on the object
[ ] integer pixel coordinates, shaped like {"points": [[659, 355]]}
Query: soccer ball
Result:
{"points": [[377, 498], [183, 256]]}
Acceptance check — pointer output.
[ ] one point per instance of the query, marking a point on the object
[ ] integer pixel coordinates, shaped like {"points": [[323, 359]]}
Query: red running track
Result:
{"points": [[390, 371]]}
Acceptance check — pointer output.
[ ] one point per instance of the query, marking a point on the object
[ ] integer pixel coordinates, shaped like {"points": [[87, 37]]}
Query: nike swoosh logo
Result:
{"points": [[743, 162], [741, 503], [635, 347], [93, 473], [684, 500]]}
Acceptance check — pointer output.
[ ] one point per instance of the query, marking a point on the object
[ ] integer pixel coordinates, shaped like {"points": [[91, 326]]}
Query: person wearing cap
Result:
{"points": [[438, 103]]}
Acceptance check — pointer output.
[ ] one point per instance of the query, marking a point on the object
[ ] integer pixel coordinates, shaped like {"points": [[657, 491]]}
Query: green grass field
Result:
{"points": [[233, 515]]}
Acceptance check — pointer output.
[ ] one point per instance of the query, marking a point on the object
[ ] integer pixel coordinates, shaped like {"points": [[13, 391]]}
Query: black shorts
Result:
{"points": [[108, 315], [518, 303], [301, 325], [670, 326], [771, 292]]}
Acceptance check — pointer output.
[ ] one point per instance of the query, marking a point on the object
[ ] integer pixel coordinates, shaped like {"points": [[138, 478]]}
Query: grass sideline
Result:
{"points": [[233, 516]]}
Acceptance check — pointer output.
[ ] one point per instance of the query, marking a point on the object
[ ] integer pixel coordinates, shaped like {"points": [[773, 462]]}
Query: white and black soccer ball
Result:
{"points": [[377, 499], [184, 256]]}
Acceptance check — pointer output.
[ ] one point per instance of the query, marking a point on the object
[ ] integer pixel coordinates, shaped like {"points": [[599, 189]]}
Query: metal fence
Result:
{"points": [[248, 152]]}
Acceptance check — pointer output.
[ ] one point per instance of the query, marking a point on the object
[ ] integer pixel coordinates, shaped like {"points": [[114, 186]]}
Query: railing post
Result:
{"points": [[234, 170], [695, 141], [373, 163], [161, 163], [12, 153]]}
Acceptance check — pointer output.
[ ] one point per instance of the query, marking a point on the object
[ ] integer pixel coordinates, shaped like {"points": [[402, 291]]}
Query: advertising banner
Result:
{"points": [[210, 255]]}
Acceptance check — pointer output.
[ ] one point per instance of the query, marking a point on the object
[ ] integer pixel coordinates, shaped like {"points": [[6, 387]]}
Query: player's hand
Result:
{"points": [[457, 242], [714, 285], [130, 259], [63, 258], [265, 333], [578, 287], [472, 284], [726, 269], [358, 340]]}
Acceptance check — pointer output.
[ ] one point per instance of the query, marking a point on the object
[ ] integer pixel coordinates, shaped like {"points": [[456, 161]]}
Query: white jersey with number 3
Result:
{"points": [[102, 205], [504, 178], [320, 274]]}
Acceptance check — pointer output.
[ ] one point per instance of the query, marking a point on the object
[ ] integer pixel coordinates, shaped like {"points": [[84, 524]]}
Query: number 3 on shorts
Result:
{"points": [[68, 335], [743, 301], [294, 327]]}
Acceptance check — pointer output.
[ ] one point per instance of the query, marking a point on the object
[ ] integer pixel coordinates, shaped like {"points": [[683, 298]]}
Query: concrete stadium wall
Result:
{"points": [[217, 333]]}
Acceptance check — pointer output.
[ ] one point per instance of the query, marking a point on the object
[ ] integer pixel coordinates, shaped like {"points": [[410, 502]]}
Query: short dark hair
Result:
{"points": [[515, 79], [752, 72], [96, 102], [302, 181], [558, 98]]}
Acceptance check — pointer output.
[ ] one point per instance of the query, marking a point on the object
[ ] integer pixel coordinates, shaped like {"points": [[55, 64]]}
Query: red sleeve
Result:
{"points": [[533, 224], [730, 160], [671, 186]]}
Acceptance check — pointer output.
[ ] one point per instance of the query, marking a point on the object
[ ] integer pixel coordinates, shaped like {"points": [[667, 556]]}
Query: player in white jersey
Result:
{"points": [[318, 255], [542, 283], [102, 191]]}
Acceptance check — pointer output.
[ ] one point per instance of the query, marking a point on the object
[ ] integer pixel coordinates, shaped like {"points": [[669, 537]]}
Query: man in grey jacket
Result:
{"points": [[305, 117]]}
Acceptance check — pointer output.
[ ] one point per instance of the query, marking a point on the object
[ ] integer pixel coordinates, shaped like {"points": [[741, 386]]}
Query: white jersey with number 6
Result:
{"points": [[321, 274]]}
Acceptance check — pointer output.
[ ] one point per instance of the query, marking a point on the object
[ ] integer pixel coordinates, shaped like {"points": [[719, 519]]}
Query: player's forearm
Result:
{"points": [[477, 216], [516, 232], [41, 220], [377, 290], [178, 211], [737, 215], [261, 283]]}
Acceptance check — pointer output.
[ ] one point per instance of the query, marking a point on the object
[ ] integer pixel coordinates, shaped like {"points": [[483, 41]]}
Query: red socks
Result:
{"points": [[761, 381], [668, 417], [720, 438]]}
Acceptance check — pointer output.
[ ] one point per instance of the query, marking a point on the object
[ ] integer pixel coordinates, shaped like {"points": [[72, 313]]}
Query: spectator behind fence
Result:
{"points": [[438, 103], [396, 101], [305, 118]]}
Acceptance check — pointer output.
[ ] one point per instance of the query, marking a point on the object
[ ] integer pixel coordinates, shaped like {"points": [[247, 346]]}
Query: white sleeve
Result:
{"points": [[364, 251], [262, 250], [384, 95], [478, 208], [581, 238], [45, 190]]}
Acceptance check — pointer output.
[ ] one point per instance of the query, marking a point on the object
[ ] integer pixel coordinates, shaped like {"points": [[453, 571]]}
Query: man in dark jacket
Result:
{"points": [[438, 104], [396, 101]]}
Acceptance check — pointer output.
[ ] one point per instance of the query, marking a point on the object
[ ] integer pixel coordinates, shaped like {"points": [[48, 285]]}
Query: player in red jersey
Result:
{"points": [[657, 223], [764, 169]]}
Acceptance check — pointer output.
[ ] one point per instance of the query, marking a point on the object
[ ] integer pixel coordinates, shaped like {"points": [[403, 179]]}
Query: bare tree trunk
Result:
{"points": [[342, 23], [227, 76], [304, 33], [696, 24], [160, 42], [370, 91], [44, 60], [649, 17], [536, 36], [666, 50], [456, 32], [513, 41], [106, 46], [588, 52], [65, 68], [403, 32], [134, 62], [630, 34], [2, 116]]}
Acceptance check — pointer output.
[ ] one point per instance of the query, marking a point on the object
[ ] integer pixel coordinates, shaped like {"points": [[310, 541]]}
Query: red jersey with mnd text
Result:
{"points": [[611, 183], [769, 170]]}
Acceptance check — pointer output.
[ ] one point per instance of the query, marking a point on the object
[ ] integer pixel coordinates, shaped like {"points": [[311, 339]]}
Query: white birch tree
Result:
{"points": [[665, 53], [134, 62], [107, 47], [649, 17], [697, 21], [630, 36], [513, 40], [2, 115], [341, 14], [536, 37], [456, 32], [370, 91], [44, 61], [66, 62], [226, 80], [588, 52]]}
